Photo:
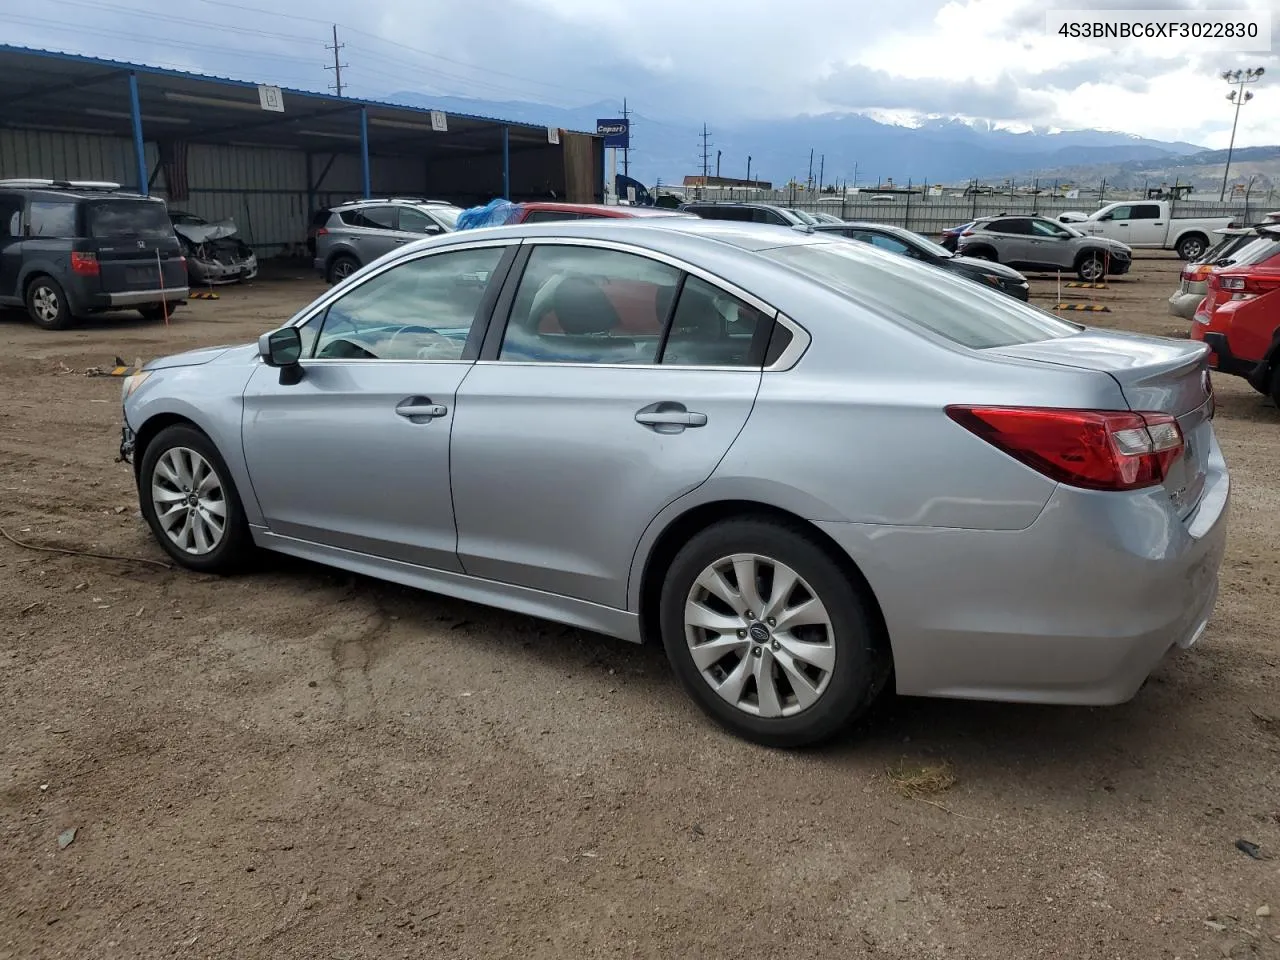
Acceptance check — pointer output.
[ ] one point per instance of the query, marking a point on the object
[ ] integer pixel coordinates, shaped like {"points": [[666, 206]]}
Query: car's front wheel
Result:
{"points": [[768, 633], [1091, 268], [190, 501]]}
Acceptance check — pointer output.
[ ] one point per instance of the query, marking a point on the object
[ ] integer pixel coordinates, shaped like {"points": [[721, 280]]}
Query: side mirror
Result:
{"points": [[434, 230], [281, 348]]}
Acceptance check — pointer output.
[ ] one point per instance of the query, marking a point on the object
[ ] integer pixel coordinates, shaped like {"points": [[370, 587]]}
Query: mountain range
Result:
{"points": [[845, 146]]}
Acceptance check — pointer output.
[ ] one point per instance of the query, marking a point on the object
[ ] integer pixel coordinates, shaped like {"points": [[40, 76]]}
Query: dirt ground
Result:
{"points": [[298, 763]]}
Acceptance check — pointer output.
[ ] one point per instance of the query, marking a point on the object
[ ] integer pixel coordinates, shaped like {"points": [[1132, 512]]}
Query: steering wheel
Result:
{"points": [[427, 350]]}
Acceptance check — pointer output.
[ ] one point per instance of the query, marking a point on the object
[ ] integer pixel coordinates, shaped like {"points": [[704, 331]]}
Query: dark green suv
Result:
{"points": [[73, 247]]}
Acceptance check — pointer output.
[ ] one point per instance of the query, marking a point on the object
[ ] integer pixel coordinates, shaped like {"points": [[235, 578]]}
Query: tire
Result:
{"points": [[341, 267], [1091, 268], [1192, 246], [153, 312], [47, 304], [842, 682], [1274, 391], [160, 485]]}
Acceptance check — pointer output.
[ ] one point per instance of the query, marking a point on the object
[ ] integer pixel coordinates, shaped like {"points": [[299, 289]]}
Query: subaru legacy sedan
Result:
{"points": [[806, 466]]}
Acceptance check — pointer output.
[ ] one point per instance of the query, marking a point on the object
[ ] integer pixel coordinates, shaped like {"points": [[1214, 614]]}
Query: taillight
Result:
{"points": [[1197, 271], [1232, 283], [321, 231], [1093, 449], [967, 233], [85, 264]]}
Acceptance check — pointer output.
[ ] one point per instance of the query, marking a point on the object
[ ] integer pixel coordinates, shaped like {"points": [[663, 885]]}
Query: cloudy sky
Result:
{"points": [[682, 61]]}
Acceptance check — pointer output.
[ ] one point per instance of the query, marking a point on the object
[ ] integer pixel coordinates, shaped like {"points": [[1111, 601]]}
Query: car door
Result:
{"points": [[1117, 223], [355, 454], [570, 438], [1052, 246], [1147, 226], [1012, 240], [10, 246], [373, 231]]}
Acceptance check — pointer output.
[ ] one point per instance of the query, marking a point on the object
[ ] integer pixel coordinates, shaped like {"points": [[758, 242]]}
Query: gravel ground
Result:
{"points": [[298, 763]]}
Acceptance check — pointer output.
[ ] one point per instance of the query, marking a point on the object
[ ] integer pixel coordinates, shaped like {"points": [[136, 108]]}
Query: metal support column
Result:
{"points": [[506, 163], [364, 151], [139, 149]]}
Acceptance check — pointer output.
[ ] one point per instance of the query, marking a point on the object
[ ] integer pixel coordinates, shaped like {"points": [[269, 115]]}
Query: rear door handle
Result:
{"points": [[669, 417], [420, 409]]}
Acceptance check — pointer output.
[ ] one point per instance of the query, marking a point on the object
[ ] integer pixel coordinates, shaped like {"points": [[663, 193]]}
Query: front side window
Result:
{"points": [[588, 305], [422, 309], [1116, 213], [415, 221], [1043, 228], [52, 218], [889, 243]]}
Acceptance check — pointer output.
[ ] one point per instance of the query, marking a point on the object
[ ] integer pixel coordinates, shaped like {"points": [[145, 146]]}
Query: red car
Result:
{"points": [[1240, 317], [538, 212]]}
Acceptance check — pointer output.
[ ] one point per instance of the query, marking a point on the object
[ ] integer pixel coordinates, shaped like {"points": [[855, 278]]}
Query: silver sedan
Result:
{"points": [[805, 466]]}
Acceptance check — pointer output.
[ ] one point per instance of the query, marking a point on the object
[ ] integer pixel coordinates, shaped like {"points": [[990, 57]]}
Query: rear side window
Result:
{"points": [[321, 217], [10, 216], [141, 219], [372, 218], [1146, 211], [1021, 227], [919, 295], [712, 328], [51, 218]]}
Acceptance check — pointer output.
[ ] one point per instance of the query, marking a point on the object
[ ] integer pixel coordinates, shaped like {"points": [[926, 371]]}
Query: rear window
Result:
{"points": [[919, 295], [1263, 248], [144, 219]]}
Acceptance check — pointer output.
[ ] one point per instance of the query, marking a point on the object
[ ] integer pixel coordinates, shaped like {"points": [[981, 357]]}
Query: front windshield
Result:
{"points": [[804, 217], [937, 249]]}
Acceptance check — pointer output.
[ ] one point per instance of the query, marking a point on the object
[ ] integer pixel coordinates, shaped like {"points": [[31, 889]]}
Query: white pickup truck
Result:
{"points": [[1146, 223]]}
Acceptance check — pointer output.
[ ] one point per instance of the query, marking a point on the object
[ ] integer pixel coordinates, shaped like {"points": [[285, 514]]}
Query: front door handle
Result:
{"points": [[420, 409], [669, 417]]}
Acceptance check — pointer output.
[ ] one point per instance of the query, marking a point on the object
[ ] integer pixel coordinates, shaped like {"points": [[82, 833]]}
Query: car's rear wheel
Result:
{"points": [[190, 501], [341, 267], [47, 304], [1275, 385], [768, 634], [1091, 268], [1192, 247]]}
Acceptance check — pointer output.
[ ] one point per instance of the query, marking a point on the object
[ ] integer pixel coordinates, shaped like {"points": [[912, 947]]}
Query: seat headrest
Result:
{"points": [[582, 307]]}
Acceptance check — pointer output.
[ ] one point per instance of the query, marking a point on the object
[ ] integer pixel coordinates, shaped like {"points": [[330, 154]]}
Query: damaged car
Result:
{"points": [[214, 252]]}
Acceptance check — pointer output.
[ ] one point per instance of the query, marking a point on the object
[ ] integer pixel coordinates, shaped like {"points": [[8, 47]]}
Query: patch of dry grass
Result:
{"points": [[916, 781]]}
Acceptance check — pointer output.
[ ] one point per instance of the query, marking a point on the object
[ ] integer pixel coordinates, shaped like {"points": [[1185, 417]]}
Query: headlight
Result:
{"points": [[133, 382]]}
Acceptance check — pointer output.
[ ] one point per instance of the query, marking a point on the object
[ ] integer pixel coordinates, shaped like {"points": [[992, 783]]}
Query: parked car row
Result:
{"points": [[1149, 223], [828, 430]]}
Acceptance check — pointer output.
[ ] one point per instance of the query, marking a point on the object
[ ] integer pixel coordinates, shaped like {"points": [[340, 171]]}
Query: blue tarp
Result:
{"points": [[495, 213]]}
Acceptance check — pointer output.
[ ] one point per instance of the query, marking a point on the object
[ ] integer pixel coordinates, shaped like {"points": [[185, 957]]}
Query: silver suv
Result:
{"points": [[361, 231], [1035, 243]]}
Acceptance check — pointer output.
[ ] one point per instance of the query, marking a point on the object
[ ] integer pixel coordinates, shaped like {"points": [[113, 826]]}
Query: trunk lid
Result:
{"points": [[135, 244], [1155, 375]]}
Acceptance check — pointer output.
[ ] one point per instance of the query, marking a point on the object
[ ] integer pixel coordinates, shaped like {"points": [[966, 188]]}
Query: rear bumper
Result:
{"points": [[134, 298], [1078, 608], [1184, 304], [1224, 361]]}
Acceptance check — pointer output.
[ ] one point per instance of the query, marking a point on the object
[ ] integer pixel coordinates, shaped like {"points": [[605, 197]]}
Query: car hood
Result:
{"points": [[1105, 242], [204, 232], [978, 265], [193, 358]]}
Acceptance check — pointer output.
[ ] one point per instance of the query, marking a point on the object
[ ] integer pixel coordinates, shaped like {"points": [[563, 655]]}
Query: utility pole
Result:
{"points": [[717, 164], [706, 153], [748, 168], [855, 177], [1239, 96], [822, 167], [337, 66], [809, 183], [626, 153]]}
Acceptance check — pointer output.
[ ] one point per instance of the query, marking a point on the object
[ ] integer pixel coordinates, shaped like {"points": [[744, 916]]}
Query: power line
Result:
{"points": [[337, 66]]}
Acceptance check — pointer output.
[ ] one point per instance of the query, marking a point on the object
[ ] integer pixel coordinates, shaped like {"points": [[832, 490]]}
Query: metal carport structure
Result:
{"points": [[212, 145]]}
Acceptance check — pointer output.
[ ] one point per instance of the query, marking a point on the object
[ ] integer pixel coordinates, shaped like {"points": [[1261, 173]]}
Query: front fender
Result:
{"points": [[218, 413]]}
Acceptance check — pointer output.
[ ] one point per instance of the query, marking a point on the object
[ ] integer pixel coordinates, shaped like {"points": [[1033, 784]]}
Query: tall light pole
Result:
{"points": [[1239, 96]]}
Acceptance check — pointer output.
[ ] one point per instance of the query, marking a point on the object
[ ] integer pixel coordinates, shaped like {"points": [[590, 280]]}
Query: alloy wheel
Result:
{"points": [[759, 635], [45, 301], [189, 501]]}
